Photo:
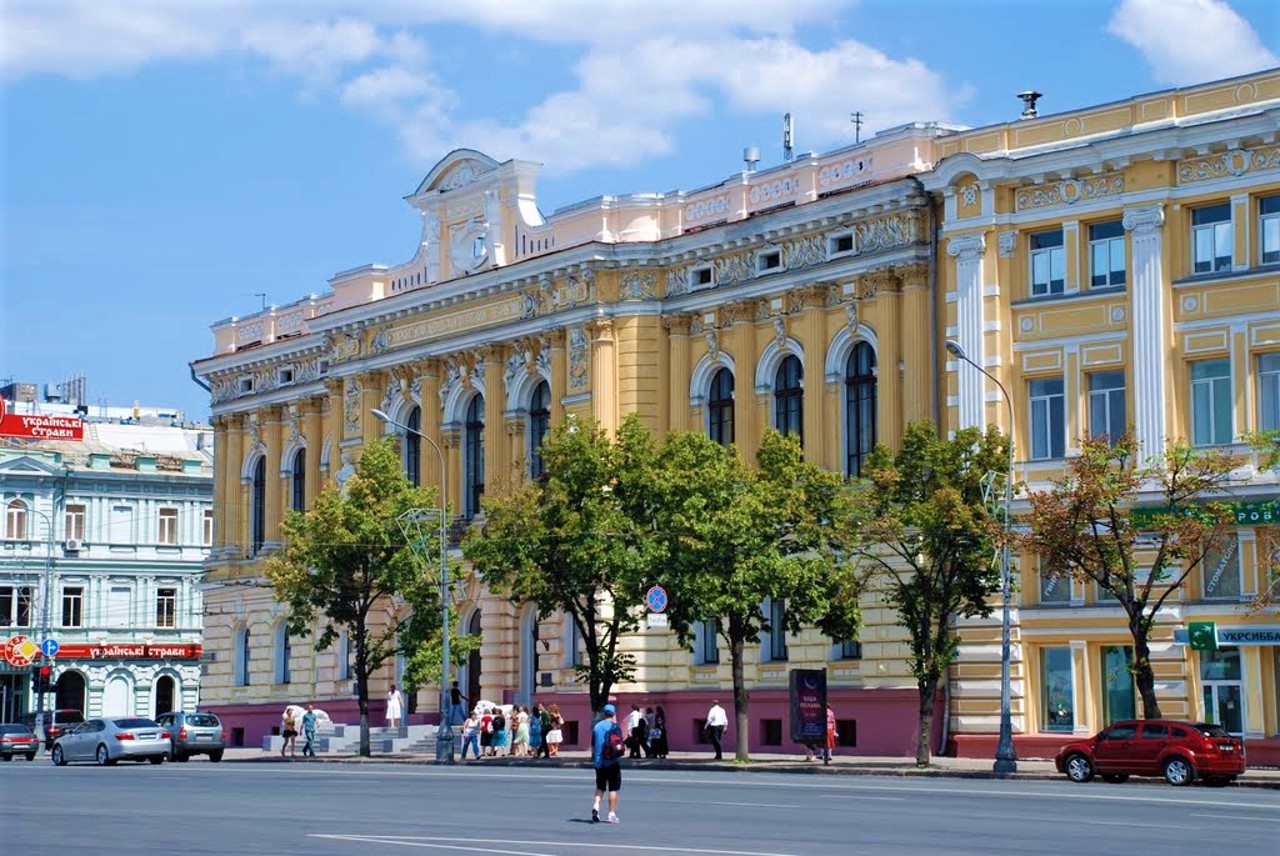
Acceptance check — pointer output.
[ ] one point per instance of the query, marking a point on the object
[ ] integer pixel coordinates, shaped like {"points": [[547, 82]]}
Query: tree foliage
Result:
{"points": [[346, 559], [580, 541], [1090, 525], [736, 535], [924, 532]]}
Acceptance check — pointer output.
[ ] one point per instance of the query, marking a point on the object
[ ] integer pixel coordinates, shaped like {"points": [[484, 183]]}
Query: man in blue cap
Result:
{"points": [[607, 749]]}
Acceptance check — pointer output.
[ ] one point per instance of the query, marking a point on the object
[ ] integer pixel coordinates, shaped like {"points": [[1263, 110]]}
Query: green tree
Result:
{"points": [[346, 559], [1089, 526], [579, 541], [923, 531], [1266, 446], [736, 535]]}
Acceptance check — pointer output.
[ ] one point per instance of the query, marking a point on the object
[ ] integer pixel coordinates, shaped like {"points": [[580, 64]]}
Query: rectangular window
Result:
{"points": [[1055, 586], [1048, 263], [1048, 420], [771, 260], [1269, 229], [167, 607], [1057, 688], [1117, 684], [1211, 402], [207, 534], [574, 653], [771, 732], [1106, 255], [1220, 569], [15, 606], [72, 606], [168, 526], [1269, 392], [700, 277], [706, 642], [1212, 238], [777, 641], [840, 244], [1106, 405], [74, 523], [850, 649]]}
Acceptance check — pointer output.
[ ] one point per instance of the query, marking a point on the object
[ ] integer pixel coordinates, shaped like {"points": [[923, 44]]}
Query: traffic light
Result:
{"points": [[41, 678]]}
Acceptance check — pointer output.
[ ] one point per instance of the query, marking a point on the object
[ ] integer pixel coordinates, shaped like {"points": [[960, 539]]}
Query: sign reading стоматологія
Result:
{"points": [[809, 706], [39, 427]]}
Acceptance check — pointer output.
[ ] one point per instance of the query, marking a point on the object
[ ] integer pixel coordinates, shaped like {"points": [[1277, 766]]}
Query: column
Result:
{"points": [[554, 341], [332, 426], [270, 421], [372, 386], [1147, 318], [497, 467], [313, 430], [739, 341], [885, 313], [678, 369], [1082, 697], [604, 374], [428, 373], [968, 252], [229, 501], [813, 338], [917, 350]]}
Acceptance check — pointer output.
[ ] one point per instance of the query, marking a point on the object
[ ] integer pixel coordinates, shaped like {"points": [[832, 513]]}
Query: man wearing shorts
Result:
{"points": [[608, 770]]}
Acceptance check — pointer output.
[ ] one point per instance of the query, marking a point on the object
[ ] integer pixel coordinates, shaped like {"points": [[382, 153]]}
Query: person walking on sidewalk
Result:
{"points": [[717, 721], [636, 729], [289, 730], [535, 730], [831, 735], [544, 715], [309, 732], [470, 736], [607, 749], [658, 736], [394, 707], [457, 708], [555, 736]]}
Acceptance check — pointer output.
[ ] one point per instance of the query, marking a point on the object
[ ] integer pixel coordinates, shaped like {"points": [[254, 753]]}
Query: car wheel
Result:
{"points": [[184, 757], [31, 757], [103, 756], [156, 759], [1079, 768], [59, 759], [215, 756], [1115, 778], [1178, 772]]}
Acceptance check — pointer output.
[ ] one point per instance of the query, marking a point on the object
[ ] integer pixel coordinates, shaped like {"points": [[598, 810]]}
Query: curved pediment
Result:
{"points": [[457, 169]]}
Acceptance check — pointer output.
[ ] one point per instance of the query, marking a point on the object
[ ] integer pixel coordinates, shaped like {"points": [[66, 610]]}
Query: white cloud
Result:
{"points": [[644, 67], [1188, 41]]}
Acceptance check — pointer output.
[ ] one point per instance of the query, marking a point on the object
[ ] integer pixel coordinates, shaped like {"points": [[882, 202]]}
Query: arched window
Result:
{"points": [[788, 398], [15, 521], [720, 408], [258, 503], [539, 424], [413, 447], [284, 653], [242, 657], [473, 468], [859, 407], [299, 469]]}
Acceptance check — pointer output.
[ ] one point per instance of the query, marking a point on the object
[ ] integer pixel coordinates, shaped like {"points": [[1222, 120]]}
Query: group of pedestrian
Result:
{"points": [[290, 723], [647, 732], [492, 731]]}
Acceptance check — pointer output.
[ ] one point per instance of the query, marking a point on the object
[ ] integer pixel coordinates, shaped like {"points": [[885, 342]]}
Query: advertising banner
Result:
{"points": [[39, 427], [809, 706]]}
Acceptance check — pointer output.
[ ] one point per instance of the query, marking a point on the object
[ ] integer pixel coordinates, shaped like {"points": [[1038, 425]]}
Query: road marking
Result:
{"points": [[1135, 823], [1239, 817], [438, 841], [755, 805], [861, 797]]}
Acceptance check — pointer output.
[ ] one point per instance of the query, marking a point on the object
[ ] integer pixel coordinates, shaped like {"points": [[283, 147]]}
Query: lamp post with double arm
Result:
{"points": [[444, 733], [1006, 756]]}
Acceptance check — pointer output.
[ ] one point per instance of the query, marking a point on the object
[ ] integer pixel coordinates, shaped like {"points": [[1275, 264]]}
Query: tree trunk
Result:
{"points": [[928, 688], [362, 694], [1143, 675], [741, 701]]}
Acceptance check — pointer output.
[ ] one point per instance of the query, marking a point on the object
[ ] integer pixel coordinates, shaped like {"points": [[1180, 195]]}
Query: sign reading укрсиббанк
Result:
{"points": [[1261, 635]]}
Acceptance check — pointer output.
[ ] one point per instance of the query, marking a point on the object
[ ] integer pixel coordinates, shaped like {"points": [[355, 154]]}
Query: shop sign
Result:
{"points": [[1257, 635], [130, 652], [20, 651], [1202, 635], [809, 706], [1242, 513], [39, 427]]}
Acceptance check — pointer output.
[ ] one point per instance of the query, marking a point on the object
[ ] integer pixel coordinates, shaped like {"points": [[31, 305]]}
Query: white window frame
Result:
{"points": [[1104, 401], [167, 527], [15, 595], [69, 598], [696, 275], [1269, 231], [285, 376], [776, 639], [167, 596], [245, 385], [1214, 233], [73, 517], [1050, 256], [17, 520], [762, 259], [1208, 387], [206, 535], [1111, 247], [833, 245], [1269, 392], [1041, 408]]}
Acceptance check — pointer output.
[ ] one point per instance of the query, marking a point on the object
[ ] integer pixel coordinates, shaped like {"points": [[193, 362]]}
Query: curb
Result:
{"points": [[758, 767]]}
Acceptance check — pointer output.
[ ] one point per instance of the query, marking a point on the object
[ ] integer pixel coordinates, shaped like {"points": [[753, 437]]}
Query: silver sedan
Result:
{"points": [[107, 741]]}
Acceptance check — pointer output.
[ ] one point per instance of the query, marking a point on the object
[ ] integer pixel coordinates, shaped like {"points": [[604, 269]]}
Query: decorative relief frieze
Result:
{"points": [[341, 347], [638, 285], [351, 406], [843, 173], [1069, 191], [578, 358], [804, 252], [706, 209], [733, 269], [1007, 244], [778, 190], [1232, 163], [251, 332], [223, 390]]}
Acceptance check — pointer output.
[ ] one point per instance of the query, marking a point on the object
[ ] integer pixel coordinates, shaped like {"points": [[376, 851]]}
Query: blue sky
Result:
{"points": [[161, 162]]}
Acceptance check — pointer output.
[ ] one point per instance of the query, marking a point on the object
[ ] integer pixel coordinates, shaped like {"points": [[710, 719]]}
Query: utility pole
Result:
{"points": [[856, 119]]}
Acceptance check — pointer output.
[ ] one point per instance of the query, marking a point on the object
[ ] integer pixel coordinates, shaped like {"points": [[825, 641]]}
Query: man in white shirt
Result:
{"points": [[635, 732], [717, 721]]}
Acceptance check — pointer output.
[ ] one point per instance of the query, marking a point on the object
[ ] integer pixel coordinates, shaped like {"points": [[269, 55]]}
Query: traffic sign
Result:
{"points": [[49, 648], [656, 621], [20, 651], [656, 598]]}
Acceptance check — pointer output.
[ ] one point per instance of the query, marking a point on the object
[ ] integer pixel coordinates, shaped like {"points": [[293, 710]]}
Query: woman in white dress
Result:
{"points": [[394, 707]]}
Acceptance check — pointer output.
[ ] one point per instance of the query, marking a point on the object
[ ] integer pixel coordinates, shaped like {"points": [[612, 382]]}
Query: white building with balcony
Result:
{"points": [[102, 547]]}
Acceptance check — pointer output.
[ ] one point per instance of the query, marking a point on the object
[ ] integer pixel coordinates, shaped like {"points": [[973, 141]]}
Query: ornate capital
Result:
{"points": [[967, 248], [677, 325], [1144, 220], [912, 273], [1007, 244]]}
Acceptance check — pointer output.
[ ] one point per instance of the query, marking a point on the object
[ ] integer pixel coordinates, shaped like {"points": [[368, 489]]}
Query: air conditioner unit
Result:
{"points": [[73, 545]]}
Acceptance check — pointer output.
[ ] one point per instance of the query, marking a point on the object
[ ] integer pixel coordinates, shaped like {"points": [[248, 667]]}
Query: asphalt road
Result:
{"points": [[329, 810]]}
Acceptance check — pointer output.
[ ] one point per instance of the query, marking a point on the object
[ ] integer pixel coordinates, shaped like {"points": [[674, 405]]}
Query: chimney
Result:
{"points": [[1029, 99]]}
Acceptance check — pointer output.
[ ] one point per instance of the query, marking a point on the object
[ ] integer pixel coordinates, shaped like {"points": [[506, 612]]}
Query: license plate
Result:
{"points": [[204, 736], [1227, 748]]}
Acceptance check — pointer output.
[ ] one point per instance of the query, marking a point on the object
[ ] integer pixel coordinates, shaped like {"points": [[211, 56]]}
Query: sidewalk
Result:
{"points": [[762, 762]]}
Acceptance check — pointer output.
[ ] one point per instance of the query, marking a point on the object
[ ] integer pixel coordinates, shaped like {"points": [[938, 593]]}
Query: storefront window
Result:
{"points": [[1275, 665], [1056, 685], [1222, 690], [1221, 569], [1117, 682]]}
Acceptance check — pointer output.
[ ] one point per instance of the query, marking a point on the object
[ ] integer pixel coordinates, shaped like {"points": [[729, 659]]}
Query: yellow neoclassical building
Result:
{"points": [[1064, 253]]}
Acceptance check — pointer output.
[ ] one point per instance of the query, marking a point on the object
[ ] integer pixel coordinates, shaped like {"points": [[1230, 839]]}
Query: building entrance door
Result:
{"points": [[1222, 689]]}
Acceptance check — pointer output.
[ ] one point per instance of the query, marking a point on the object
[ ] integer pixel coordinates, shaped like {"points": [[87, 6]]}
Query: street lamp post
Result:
{"points": [[1006, 756], [444, 733]]}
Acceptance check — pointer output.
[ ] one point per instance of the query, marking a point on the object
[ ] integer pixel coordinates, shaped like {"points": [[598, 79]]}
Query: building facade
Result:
{"points": [[814, 298], [103, 547]]}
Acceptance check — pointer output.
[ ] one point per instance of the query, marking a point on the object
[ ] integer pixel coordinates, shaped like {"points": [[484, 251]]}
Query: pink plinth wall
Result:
{"points": [[261, 720]]}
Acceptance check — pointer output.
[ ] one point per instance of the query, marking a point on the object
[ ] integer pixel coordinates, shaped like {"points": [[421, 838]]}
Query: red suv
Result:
{"points": [[1180, 751]]}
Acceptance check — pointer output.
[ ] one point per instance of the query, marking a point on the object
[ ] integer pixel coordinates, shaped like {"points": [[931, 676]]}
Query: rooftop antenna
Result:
{"points": [[261, 295], [751, 157], [856, 118], [788, 133], [1029, 99]]}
